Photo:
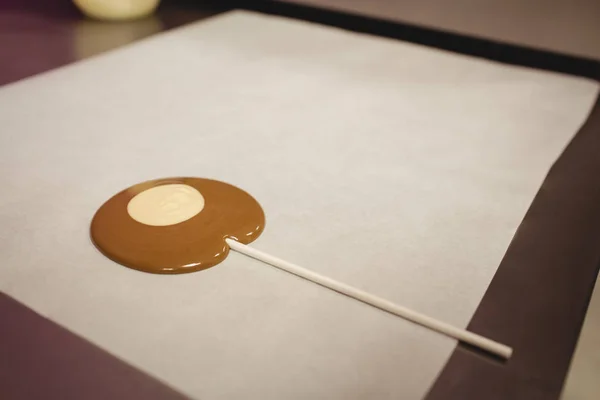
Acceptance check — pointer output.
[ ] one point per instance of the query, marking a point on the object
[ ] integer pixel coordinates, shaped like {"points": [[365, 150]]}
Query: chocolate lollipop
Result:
{"points": [[177, 225], [180, 225]]}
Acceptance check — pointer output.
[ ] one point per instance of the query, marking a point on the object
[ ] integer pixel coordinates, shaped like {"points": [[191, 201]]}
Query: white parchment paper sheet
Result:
{"points": [[400, 169]]}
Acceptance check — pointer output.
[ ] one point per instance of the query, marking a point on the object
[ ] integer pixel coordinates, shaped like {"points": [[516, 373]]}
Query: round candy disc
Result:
{"points": [[175, 225]]}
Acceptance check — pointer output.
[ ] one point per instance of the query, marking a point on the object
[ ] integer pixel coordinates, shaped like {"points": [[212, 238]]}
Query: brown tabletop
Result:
{"points": [[566, 26], [41, 360], [40, 35], [535, 303]]}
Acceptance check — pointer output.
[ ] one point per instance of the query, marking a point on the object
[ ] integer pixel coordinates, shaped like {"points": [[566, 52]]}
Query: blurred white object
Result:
{"points": [[117, 9]]}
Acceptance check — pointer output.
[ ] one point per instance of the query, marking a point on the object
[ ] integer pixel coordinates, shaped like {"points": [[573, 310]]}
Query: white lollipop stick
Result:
{"points": [[462, 335]]}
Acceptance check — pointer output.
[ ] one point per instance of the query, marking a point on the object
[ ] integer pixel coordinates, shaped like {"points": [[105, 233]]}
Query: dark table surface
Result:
{"points": [[40, 35], [535, 303], [566, 26]]}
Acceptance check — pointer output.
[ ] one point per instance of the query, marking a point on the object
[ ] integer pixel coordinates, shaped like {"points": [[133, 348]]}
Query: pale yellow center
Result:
{"points": [[166, 205]]}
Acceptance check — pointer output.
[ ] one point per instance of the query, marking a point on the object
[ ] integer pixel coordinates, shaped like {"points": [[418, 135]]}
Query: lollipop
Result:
{"points": [[180, 225]]}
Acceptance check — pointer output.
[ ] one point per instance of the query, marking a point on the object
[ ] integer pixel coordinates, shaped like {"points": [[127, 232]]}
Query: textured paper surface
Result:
{"points": [[402, 170]]}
